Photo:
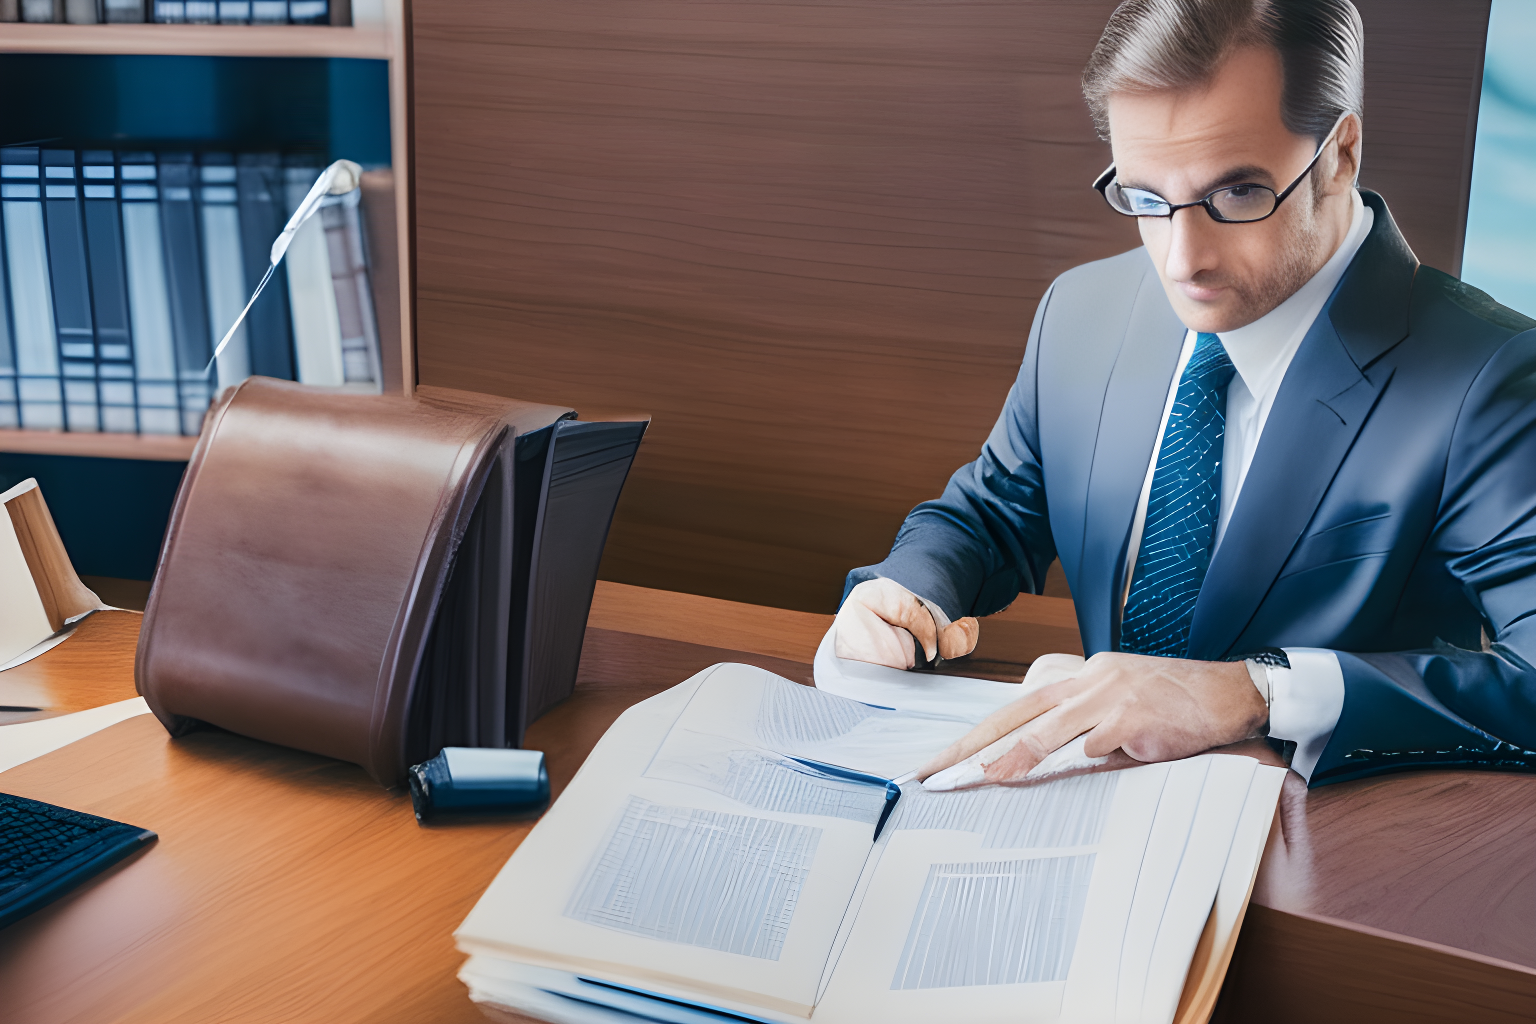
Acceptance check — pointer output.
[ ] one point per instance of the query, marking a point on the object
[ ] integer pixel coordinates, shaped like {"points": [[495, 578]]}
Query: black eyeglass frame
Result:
{"points": [[1102, 183]]}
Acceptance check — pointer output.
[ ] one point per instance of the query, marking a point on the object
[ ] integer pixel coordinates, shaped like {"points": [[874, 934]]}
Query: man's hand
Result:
{"points": [[1155, 709], [880, 618]]}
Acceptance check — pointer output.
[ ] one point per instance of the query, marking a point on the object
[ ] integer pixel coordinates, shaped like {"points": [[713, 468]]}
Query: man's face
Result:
{"points": [[1183, 144]]}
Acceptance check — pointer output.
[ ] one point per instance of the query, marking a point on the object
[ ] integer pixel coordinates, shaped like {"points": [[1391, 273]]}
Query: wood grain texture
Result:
{"points": [[1443, 857], [62, 593], [152, 447], [289, 887], [94, 666], [245, 41], [1423, 80], [1292, 967], [808, 239], [285, 886], [1010, 640]]}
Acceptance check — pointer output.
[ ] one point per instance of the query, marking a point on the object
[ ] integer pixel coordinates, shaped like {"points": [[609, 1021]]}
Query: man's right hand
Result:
{"points": [[880, 618]]}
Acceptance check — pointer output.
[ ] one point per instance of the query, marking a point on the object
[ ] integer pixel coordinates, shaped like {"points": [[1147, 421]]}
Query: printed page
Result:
{"points": [[928, 692], [1232, 896], [702, 863], [1038, 903], [762, 711]]}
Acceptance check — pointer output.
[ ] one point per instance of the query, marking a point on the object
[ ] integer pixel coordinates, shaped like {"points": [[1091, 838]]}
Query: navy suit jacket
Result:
{"points": [[1389, 513]]}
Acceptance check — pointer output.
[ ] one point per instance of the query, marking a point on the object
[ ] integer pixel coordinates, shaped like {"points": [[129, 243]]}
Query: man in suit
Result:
{"points": [[1289, 472]]}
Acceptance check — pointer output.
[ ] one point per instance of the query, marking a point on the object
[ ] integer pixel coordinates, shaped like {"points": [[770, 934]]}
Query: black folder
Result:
{"points": [[506, 643]]}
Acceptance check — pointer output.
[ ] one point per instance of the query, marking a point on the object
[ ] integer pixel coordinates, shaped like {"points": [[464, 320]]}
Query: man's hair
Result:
{"points": [[1175, 44]]}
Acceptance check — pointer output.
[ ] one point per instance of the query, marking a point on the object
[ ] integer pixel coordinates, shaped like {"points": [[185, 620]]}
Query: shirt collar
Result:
{"points": [[1262, 351]]}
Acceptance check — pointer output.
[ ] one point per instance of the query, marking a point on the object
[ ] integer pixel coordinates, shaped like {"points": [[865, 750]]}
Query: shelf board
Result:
{"points": [[205, 40], [154, 447]]}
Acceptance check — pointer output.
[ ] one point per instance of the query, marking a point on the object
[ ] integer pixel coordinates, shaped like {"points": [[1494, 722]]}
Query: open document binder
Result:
{"points": [[731, 850], [375, 577]]}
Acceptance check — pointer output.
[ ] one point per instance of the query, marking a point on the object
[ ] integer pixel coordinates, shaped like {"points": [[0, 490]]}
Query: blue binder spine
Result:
{"points": [[109, 292], [35, 346], [260, 183], [223, 264], [269, 12], [149, 303], [71, 289], [10, 413], [309, 12], [123, 12], [184, 282]]}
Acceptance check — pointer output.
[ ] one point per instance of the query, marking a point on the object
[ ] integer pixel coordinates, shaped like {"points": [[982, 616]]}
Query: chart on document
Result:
{"points": [[740, 845]]}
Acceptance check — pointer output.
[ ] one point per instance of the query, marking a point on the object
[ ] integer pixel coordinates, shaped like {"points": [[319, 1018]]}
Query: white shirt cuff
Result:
{"points": [[1305, 703]]}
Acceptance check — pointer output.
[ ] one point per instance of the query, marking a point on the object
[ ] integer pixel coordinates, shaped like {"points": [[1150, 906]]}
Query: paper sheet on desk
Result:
{"points": [[933, 693], [24, 741]]}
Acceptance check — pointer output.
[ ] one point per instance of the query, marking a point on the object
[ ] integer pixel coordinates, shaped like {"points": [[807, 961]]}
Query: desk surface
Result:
{"points": [[289, 887]]}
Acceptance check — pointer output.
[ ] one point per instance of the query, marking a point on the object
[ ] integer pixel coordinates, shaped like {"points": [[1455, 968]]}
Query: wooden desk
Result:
{"points": [[288, 887]]}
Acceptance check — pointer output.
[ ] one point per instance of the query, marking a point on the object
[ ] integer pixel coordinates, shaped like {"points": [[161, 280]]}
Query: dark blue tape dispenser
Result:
{"points": [[469, 779]]}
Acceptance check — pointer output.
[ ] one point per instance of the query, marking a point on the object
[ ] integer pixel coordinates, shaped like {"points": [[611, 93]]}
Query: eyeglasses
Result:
{"points": [[1233, 204]]}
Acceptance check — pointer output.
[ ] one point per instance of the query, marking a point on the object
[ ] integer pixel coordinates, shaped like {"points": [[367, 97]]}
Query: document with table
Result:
{"points": [[742, 846]]}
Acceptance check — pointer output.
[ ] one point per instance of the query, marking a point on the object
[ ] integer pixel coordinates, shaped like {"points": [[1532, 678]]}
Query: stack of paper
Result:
{"points": [[734, 847]]}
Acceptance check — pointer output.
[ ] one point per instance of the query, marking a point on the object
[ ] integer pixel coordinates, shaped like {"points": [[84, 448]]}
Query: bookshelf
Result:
{"points": [[199, 40], [378, 35]]}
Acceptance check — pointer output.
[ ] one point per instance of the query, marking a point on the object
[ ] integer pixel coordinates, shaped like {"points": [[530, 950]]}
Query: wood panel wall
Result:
{"points": [[807, 238]]}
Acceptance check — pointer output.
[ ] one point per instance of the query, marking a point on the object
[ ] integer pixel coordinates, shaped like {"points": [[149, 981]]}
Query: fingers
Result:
{"points": [[864, 636], [991, 729], [1052, 668], [959, 638], [1108, 736], [900, 607], [1063, 723]]}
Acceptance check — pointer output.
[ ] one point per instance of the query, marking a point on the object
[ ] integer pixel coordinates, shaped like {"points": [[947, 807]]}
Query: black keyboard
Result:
{"points": [[45, 851]]}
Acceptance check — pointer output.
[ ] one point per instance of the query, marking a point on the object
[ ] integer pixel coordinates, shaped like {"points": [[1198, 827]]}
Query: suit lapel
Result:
{"points": [[1327, 394], [1133, 407], [1317, 414]]}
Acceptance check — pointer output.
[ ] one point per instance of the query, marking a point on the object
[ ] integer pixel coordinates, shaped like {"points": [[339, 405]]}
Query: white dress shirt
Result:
{"points": [[1306, 699]]}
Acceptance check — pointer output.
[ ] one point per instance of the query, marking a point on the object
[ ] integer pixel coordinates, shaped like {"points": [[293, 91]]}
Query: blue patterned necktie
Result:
{"points": [[1182, 509]]}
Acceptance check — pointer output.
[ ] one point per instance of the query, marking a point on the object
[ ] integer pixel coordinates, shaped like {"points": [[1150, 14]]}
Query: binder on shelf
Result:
{"points": [[71, 289], [123, 12], [10, 415], [269, 12], [109, 291], [234, 12], [184, 281], [149, 304], [81, 12], [32, 325], [311, 294], [259, 181], [309, 12], [42, 11], [407, 532], [359, 332], [118, 271], [223, 264]]}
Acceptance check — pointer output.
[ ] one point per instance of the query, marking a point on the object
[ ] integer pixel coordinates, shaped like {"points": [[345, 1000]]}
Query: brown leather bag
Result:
{"points": [[312, 549]]}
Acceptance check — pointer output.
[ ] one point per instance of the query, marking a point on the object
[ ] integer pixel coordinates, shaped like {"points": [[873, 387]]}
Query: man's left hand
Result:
{"points": [[1155, 709]]}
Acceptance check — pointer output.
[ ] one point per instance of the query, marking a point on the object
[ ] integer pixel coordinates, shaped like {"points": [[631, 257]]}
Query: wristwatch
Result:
{"points": [[1259, 663]]}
